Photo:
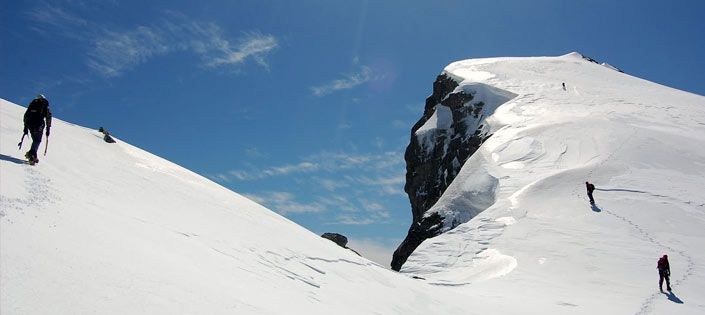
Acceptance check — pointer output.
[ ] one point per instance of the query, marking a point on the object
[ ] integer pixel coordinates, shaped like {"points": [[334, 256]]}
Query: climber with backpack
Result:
{"points": [[37, 116], [664, 272]]}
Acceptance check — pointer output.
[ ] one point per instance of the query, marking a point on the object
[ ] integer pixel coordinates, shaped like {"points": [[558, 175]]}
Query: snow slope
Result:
{"points": [[99, 228], [111, 229], [539, 247]]}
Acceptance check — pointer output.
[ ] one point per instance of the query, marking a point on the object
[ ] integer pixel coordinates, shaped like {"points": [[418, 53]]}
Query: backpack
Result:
{"points": [[36, 112]]}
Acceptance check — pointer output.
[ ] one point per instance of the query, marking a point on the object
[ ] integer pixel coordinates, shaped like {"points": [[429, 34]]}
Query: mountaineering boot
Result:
{"points": [[31, 159]]}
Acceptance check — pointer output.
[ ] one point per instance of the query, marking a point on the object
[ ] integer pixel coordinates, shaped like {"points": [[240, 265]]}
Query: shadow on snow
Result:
{"points": [[620, 189], [11, 159], [595, 208], [672, 297]]}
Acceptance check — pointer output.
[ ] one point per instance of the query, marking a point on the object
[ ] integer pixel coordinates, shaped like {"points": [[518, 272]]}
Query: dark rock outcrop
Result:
{"points": [[106, 135], [339, 239], [602, 64], [435, 155]]}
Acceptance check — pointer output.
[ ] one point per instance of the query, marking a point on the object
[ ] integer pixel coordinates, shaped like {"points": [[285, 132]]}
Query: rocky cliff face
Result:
{"points": [[449, 132]]}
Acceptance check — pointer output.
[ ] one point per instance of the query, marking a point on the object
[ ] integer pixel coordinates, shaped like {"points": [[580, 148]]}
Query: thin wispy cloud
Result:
{"points": [[331, 184], [236, 174], [325, 162], [369, 212], [328, 162], [348, 81], [351, 211], [344, 125], [374, 206], [352, 220], [387, 185], [284, 202], [55, 16], [352, 188], [302, 167], [243, 175], [336, 161], [115, 52], [51, 20], [111, 51], [220, 177], [120, 51], [338, 203], [254, 45], [359, 211]]}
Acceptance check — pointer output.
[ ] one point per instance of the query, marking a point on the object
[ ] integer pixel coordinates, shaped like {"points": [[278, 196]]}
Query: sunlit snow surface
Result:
{"points": [[98, 228], [101, 228], [539, 247]]}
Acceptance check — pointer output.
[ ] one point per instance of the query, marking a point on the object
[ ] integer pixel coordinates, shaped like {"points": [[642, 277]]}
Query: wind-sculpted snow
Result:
{"points": [[539, 246], [471, 192], [450, 131]]}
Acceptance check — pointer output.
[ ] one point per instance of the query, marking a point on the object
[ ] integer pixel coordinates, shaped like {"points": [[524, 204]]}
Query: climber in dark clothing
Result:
{"points": [[36, 117], [590, 189], [664, 272]]}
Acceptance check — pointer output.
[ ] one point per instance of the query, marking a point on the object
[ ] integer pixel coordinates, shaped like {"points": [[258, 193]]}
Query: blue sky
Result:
{"points": [[306, 106]]}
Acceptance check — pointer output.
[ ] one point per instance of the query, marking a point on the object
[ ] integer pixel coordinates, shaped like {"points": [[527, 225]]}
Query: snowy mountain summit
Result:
{"points": [[504, 148], [514, 223]]}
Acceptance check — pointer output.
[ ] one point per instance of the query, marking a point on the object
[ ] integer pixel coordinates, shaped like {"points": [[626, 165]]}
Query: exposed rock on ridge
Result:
{"points": [[339, 239], [449, 132]]}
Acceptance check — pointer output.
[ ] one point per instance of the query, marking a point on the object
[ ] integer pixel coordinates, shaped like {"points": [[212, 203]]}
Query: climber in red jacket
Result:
{"points": [[664, 271]]}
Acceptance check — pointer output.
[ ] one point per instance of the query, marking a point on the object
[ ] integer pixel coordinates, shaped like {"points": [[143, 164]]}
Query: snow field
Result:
{"points": [[111, 229], [640, 143]]}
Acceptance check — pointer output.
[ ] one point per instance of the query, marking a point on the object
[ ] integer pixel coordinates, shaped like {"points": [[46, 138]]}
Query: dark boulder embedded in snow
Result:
{"points": [[339, 239], [449, 132], [106, 135]]}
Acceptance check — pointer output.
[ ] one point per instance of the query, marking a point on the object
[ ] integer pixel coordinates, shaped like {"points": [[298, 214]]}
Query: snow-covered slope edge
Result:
{"points": [[451, 129], [101, 228], [540, 244]]}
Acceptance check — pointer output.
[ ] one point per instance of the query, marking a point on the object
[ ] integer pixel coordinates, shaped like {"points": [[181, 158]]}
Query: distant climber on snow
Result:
{"points": [[564, 86], [664, 272], [590, 188], [36, 117]]}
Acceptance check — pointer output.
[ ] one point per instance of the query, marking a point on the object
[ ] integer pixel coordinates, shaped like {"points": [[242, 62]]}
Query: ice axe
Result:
{"points": [[21, 140], [46, 146]]}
